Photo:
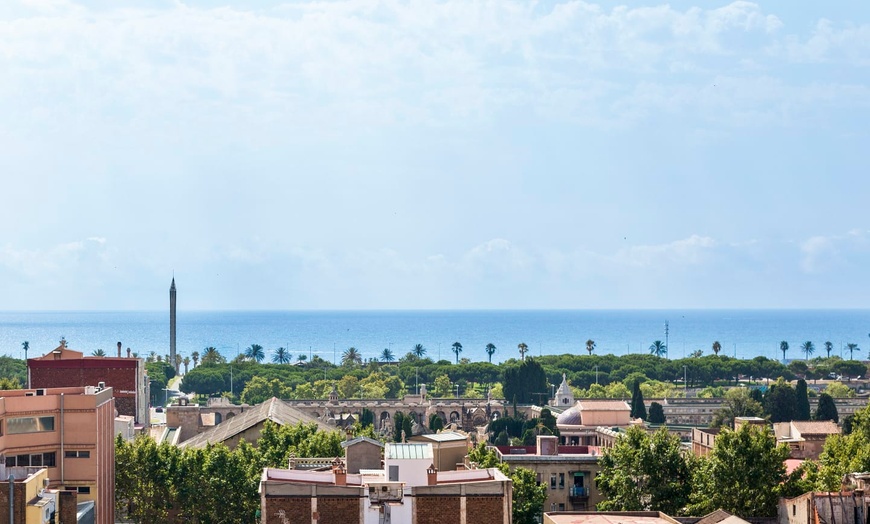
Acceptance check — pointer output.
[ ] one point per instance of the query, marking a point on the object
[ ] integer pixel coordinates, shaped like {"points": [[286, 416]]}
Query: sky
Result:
{"points": [[434, 154]]}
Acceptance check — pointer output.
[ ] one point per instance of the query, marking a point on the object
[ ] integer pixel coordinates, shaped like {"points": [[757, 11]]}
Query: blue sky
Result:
{"points": [[434, 154]]}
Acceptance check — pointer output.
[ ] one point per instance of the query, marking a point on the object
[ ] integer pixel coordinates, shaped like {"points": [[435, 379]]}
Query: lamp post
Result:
{"points": [[596, 374]]}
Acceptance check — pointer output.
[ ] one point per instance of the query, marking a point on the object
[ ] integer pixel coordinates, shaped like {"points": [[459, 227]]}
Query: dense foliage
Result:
{"points": [[528, 496], [14, 370]]}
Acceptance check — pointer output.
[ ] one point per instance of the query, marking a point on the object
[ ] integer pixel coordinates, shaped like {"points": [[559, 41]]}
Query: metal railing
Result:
{"points": [[579, 491]]}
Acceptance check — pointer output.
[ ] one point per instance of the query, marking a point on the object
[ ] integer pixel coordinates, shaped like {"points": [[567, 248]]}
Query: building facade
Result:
{"points": [[126, 376], [70, 433]]}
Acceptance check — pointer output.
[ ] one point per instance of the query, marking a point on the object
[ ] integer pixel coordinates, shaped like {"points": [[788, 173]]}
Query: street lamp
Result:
{"points": [[596, 374]]}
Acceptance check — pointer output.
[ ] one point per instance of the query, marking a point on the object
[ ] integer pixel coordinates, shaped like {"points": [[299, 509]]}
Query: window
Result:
{"points": [[553, 506], [35, 460], [394, 473], [77, 454], [84, 490], [561, 507], [552, 481], [29, 425], [561, 481]]}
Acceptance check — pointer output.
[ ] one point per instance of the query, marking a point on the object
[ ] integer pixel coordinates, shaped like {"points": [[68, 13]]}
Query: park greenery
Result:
{"points": [[528, 495], [526, 380]]}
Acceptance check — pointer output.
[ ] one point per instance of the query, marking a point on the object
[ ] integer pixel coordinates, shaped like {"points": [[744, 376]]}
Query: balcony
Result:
{"points": [[578, 494]]}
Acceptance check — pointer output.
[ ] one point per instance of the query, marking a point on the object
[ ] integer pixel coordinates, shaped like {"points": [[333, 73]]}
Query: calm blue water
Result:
{"points": [[746, 333]]}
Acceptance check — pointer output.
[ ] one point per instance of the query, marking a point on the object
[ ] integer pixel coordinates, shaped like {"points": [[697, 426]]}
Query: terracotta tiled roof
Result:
{"points": [[822, 427]]}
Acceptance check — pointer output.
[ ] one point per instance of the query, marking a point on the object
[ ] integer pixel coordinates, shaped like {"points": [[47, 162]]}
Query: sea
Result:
{"points": [[742, 333]]}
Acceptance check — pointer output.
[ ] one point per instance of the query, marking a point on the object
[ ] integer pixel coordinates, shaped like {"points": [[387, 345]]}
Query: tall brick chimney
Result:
{"points": [[340, 472]]}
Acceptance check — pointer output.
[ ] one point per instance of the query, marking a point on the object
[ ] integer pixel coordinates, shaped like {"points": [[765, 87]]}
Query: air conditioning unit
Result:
{"points": [[40, 392]]}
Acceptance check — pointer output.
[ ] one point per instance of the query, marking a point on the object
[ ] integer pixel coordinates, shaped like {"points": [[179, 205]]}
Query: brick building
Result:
{"points": [[64, 367], [68, 432], [805, 438], [407, 490]]}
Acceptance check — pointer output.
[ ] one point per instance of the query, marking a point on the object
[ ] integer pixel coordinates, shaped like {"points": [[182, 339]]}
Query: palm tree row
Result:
{"points": [[808, 348]]}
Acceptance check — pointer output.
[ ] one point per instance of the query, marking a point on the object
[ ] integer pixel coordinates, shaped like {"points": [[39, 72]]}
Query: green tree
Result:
{"points": [[742, 475], [780, 401], [25, 346], [281, 356], [590, 346], [442, 386], [351, 357], [348, 387], [839, 390], [186, 363], [808, 348], [490, 350], [255, 353], [783, 346], [9, 383], [367, 418], [802, 407], [828, 348], [99, 353], [457, 349], [435, 422], [827, 409], [195, 357], [656, 413], [717, 347], [738, 402], [211, 357], [387, 355], [527, 382], [852, 349], [846, 453], [260, 389], [523, 350], [643, 472], [638, 408], [419, 351], [658, 348]]}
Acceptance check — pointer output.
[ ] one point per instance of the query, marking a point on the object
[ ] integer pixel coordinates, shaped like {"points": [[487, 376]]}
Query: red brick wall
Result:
{"points": [[296, 510], [437, 510], [20, 503], [484, 510], [68, 509], [341, 510], [120, 375]]}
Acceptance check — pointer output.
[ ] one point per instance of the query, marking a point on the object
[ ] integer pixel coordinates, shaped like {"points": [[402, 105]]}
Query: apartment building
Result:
{"points": [[408, 489], [67, 431], [64, 367]]}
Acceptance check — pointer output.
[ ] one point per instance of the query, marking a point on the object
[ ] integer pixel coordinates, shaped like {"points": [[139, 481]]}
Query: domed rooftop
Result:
{"points": [[570, 417]]}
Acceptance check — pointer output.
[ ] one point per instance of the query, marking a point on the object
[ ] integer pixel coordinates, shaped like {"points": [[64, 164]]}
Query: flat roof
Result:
{"points": [[444, 436], [408, 451], [625, 517]]}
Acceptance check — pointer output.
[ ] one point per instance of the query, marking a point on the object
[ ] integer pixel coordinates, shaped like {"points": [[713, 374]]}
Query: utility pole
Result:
{"points": [[596, 374]]}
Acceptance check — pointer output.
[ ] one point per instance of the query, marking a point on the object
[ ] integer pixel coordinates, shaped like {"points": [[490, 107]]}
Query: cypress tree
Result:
{"points": [[656, 413], [802, 409], [638, 409], [827, 410]]}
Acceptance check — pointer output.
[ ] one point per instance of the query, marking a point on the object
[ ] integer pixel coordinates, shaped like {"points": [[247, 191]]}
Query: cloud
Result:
{"points": [[688, 251]]}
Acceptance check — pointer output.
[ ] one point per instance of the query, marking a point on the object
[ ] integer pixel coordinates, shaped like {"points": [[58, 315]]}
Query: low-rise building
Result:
{"points": [[409, 489], [578, 425], [608, 517], [847, 507], [32, 501], [703, 440], [70, 433], [805, 439], [449, 448], [567, 471]]}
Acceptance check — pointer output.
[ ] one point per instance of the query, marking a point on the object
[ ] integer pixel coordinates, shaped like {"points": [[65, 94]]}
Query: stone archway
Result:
{"points": [[230, 415], [495, 415], [455, 417], [218, 418]]}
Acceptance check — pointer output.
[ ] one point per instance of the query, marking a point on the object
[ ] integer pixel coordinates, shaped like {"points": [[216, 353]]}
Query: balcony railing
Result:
{"points": [[579, 491]]}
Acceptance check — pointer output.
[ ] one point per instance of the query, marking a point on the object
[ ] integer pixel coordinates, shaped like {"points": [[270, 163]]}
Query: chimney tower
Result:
{"points": [[172, 325]]}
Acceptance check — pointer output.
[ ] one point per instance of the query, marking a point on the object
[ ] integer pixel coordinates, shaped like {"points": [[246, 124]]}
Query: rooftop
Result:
{"points": [[614, 517], [275, 410], [444, 436], [821, 427], [408, 451]]}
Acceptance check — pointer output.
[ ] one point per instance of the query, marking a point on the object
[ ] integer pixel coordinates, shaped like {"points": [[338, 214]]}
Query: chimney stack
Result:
{"points": [[340, 472], [431, 475], [129, 355], [119, 350]]}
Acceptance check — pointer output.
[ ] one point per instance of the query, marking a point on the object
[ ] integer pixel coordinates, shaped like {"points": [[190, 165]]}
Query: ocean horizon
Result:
{"points": [[744, 333]]}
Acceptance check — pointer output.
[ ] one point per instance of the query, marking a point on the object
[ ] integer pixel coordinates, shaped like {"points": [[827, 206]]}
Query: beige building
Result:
{"points": [[805, 439], [70, 433], [578, 425], [609, 517], [449, 448], [567, 471]]}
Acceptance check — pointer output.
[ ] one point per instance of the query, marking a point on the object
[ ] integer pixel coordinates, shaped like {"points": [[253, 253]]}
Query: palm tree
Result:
{"points": [[211, 355], [178, 361], [301, 357], [186, 363], [281, 356], [717, 347], [419, 351], [658, 348], [25, 345], [523, 350], [351, 356], [159, 358], [808, 348], [457, 349], [828, 348], [852, 348], [195, 357], [255, 352], [387, 355], [783, 346], [490, 349], [152, 356], [590, 346], [99, 353]]}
